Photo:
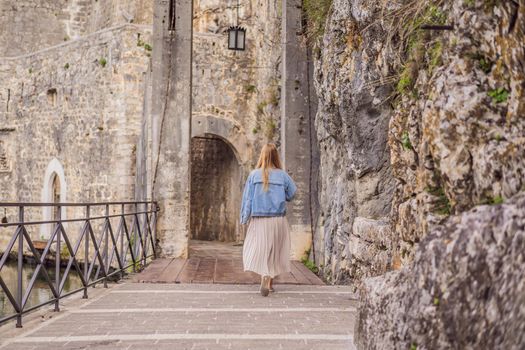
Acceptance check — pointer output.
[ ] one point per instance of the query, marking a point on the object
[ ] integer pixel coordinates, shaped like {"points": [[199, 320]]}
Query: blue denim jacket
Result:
{"points": [[258, 202]]}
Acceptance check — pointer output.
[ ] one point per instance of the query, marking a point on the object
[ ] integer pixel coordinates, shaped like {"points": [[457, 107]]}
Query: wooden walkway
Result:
{"points": [[217, 263]]}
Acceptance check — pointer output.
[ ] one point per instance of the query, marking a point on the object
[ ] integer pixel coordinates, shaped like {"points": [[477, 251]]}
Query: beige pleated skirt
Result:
{"points": [[266, 248]]}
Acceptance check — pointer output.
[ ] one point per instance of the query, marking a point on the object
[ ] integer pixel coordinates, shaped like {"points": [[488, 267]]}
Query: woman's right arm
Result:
{"points": [[247, 196]]}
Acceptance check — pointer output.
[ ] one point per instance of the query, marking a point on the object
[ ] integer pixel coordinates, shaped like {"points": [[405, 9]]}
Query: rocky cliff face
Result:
{"points": [[422, 147], [352, 239], [464, 290], [456, 138]]}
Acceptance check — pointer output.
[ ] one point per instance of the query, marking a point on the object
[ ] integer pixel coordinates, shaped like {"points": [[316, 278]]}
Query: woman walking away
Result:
{"points": [[267, 245]]}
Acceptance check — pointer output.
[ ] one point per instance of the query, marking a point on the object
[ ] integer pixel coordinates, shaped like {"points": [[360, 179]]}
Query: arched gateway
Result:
{"points": [[182, 134], [219, 152]]}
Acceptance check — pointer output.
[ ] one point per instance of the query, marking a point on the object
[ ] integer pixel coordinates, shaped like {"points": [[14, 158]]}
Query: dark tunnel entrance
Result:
{"points": [[215, 191]]}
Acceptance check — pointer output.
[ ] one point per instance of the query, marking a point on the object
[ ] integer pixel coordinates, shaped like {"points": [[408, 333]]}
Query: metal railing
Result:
{"points": [[132, 244]]}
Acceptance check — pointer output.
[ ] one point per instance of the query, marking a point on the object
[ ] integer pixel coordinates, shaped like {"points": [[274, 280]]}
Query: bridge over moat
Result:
{"points": [[203, 302]]}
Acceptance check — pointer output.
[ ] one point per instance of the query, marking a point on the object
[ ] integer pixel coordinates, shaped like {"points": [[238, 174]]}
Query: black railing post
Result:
{"points": [[155, 210], [19, 294], [106, 248], [134, 237], [57, 259], [86, 254], [145, 233], [122, 237]]}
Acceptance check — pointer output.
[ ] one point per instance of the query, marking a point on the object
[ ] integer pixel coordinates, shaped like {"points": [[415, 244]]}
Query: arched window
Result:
{"points": [[55, 194], [53, 191]]}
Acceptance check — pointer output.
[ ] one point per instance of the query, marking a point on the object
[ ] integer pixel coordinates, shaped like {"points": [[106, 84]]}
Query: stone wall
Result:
{"points": [[236, 96], [30, 25], [239, 86], [464, 291], [352, 238], [80, 103]]}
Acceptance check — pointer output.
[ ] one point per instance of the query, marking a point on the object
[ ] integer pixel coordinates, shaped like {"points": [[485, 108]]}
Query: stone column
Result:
{"points": [[295, 125], [171, 116]]}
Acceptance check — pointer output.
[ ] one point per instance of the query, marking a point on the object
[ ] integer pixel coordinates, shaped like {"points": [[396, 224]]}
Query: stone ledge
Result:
{"points": [[463, 291]]}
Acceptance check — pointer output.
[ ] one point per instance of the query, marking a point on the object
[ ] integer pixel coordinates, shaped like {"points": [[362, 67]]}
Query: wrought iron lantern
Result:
{"points": [[237, 35], [236, 38]]}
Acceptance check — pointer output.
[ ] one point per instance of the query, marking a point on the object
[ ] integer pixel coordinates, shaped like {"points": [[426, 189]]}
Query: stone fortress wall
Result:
{"points": [[73, 81], [236, 97], [76, 84], [31, 25]]}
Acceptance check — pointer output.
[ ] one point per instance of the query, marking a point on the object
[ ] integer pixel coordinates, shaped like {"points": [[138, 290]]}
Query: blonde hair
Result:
{"points": [[268, 159]]}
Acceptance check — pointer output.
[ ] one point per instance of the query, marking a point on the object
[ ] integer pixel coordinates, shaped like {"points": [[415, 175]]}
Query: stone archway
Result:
{"points": [[215, 194]]}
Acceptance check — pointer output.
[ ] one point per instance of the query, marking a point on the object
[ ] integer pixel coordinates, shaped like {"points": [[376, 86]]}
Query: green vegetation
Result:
{"points": [[405, 81], [270, 128], [442, 205], [30, 70], [469, 3], [145, 45], [405, 141], [309, 263], [102, 62], [436, 301], [261, 106], [137, 266], [255, 130], [250, 89], [64, 252], [413, 346], [274, 97], [417, 48], [66, 66], [485, 65], [483, 62], [435, 56], [498, 95], [498, 200], [316, 13], [493, 200], [435, 15]]}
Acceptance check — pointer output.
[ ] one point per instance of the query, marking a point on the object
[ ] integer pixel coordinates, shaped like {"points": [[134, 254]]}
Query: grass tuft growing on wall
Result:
{"points": [[499, 95], [316, 12]]}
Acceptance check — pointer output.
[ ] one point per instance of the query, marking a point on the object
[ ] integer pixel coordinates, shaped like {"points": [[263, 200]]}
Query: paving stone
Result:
{"points": [[177, 316]]}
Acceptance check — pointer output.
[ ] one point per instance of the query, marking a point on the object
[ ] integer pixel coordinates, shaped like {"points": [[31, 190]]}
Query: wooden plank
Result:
{"points": [[230, 271], [244, 277], [308, 274], [285, 278], [171, 272], [188, 272], [299, 276], [223, 271], [152, 271], [205, 271]]}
